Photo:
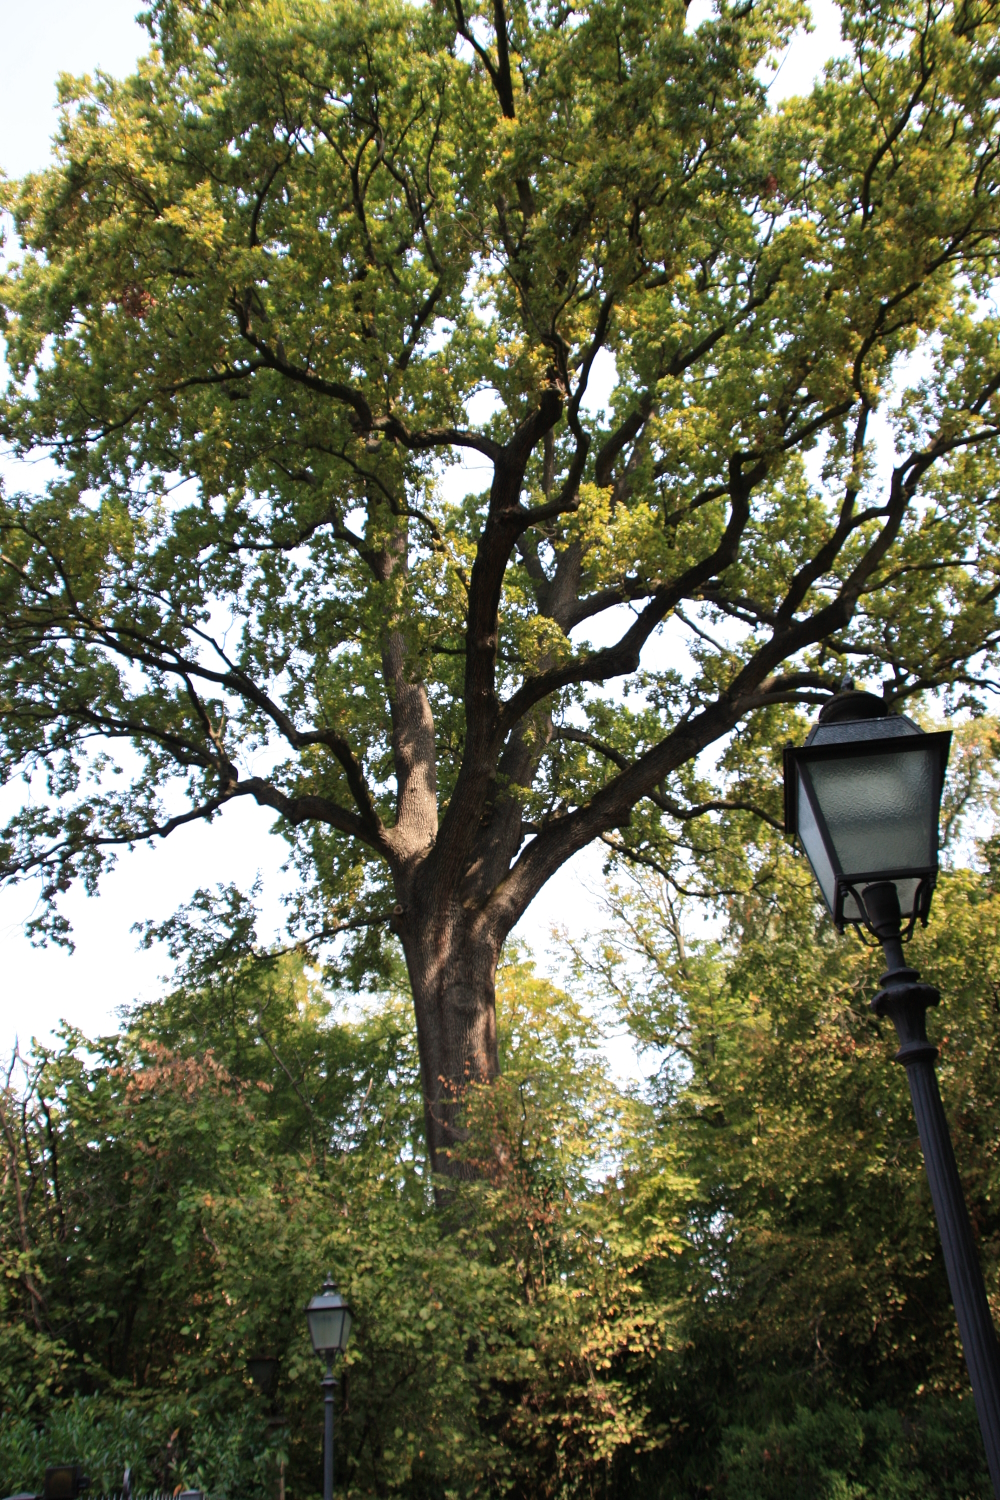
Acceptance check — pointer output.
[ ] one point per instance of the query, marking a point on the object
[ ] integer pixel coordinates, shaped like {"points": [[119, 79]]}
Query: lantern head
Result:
{"points": [[329, 1322], [863, 795]]}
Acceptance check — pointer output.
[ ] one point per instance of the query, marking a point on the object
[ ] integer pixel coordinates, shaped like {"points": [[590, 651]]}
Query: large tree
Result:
{"points": [[276, 281]]}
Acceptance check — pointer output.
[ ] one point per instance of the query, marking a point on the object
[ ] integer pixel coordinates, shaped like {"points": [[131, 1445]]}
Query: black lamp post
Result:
{"points": [[863, 795], [329, 1328]]}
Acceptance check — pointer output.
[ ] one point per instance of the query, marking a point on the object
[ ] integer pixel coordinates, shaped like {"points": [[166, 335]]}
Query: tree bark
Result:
{"points": [[451, 955]]}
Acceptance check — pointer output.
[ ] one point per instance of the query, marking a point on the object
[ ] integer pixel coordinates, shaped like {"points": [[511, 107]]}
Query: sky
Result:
{"points": [[41, 987]]}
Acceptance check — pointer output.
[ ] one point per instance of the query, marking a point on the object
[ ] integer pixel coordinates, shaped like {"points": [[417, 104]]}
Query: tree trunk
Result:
{"points": [[452, 960]]}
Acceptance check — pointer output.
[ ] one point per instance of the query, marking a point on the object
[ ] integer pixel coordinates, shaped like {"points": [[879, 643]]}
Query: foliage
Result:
{"points": [[225, 1455], [278, 279], [839, 1453], [733, 1286], [177, 1214]]}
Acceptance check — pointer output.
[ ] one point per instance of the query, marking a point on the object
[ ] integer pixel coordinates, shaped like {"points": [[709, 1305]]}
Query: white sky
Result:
{"points": [[41, 986]]}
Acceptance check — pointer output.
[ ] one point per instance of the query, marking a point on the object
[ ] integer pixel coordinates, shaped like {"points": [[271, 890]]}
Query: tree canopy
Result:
{"points": [[731, 369]]}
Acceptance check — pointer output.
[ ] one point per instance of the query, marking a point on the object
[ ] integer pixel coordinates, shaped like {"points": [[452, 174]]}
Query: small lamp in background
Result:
{"points": [[64, 1482], [329, 1319], [263, 1370]]}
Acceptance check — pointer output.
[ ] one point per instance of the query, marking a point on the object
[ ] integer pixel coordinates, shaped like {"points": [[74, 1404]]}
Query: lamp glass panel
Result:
{"points": [[905, 889], [263, 1369], [345, 1331], [325, 1327], [880, 810], [812, 843], [60, 1482]]}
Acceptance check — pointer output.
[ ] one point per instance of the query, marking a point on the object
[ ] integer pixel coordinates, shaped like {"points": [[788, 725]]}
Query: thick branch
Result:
{"points": [[505, 521], [656, 794], [295, 810]]}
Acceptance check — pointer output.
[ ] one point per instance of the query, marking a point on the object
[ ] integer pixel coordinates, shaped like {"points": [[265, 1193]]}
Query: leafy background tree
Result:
{"points": [[311, 251]]}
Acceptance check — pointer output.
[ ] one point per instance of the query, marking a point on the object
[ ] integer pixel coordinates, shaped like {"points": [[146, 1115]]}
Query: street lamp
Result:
{"points": [[263, 1369], [863, 795], [329, 1328]]}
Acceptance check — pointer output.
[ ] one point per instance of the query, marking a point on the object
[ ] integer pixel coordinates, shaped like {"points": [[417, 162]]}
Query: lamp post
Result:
{"points": [[329, 1328], [263, 1371], [863, 795]]}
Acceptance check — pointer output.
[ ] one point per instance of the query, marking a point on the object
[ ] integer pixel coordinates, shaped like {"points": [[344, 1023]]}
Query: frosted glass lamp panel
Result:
{"points": [[326, 1327], [812, 843], [880, 810], [906, 890]]}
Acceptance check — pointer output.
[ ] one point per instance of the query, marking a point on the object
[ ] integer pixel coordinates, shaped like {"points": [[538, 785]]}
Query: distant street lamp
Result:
{"points": [[262, 1369], [863, 795], [329, 1328]]}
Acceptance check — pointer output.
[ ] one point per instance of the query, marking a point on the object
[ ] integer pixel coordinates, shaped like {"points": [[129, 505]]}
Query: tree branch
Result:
{"points": [[656, 794], [294, 810], [623, 657]]}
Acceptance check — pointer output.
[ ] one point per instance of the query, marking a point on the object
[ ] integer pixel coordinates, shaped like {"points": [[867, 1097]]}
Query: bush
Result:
{"points": [[164, 1444], [837, 1453]]}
